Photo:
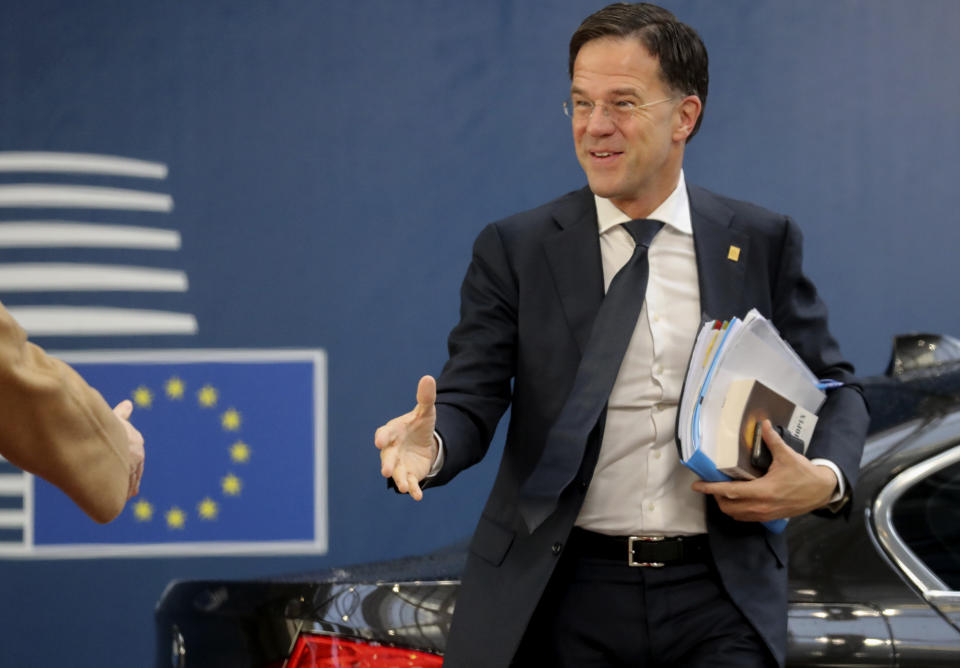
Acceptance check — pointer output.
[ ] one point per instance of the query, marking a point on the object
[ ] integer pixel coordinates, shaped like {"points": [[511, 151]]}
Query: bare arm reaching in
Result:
{"points": [[54, 425]]}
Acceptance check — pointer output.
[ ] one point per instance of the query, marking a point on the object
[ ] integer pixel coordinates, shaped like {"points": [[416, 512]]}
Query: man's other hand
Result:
{"points": [[792, 486], [406, 443], [123, 410]]}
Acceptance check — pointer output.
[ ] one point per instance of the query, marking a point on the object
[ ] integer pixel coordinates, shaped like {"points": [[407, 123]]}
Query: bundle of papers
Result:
{"points": [[724, 355]]}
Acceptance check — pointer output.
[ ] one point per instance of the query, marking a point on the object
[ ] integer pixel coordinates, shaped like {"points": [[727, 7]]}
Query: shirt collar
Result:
{"points": [[674, 211]]}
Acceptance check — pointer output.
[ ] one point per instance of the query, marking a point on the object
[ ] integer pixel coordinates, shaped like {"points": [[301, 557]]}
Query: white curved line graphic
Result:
{"points": [[80, 163], [74, 277], [64, 234], [12, 519], [13, 484], [99, 321], [33, 195]]}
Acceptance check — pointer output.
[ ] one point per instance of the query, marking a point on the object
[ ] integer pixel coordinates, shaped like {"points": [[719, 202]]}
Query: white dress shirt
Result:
{"points": [[639, 485]]}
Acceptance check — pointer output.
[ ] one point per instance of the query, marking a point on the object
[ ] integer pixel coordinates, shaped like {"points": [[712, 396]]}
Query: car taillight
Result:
{"points": [[314, 651]]}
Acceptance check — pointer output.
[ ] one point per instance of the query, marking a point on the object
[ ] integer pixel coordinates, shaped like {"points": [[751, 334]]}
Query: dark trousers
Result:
{"points": [[604, 613]]}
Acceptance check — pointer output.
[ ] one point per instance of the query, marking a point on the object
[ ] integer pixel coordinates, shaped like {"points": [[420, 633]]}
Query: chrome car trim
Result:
{"points": [[178, 648], [930, 586], [842, 634], [947, 601]]}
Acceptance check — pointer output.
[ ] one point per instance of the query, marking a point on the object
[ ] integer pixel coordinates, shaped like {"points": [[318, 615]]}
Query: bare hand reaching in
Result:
{"points": [[135, 442]]}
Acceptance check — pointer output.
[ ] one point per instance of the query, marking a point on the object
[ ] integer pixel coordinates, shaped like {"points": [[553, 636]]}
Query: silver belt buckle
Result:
{"points": [[644, 564]]}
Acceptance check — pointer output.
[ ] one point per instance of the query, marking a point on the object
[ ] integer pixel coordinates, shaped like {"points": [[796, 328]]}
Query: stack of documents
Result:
{"points": [[726, 352]]}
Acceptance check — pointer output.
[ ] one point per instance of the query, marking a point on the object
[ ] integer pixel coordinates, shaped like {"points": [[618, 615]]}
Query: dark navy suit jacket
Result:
{"points": [[528, 302]]}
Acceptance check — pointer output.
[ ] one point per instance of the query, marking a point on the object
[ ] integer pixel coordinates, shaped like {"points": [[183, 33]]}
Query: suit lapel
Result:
{"points": [[573, 254], [722, 255]]}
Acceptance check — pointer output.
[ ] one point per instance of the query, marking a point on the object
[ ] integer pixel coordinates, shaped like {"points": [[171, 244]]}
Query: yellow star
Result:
{"points": [[207, 396], [176, 518], [231, 419], [143, 511], [231, 485], [175, 388], [207, 509], [240, 452], [143, 397]]}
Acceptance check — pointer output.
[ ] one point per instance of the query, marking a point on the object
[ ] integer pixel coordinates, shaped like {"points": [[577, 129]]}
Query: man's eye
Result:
{"points": [[582, 104], [626, 105]]}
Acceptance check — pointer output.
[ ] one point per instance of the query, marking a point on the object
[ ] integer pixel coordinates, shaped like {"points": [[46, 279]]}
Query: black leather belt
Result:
{"points": [[649, 551]]}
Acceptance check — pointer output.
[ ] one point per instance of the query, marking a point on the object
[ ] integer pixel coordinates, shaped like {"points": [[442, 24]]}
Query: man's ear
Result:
{"points": [[688, 111]]}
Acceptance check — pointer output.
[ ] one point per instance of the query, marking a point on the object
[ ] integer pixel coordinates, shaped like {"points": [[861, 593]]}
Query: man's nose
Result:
{"points": [[599, 123]]}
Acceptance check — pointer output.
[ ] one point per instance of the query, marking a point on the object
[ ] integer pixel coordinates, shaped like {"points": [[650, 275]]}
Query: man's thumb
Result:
{"points": [[426, 394]]}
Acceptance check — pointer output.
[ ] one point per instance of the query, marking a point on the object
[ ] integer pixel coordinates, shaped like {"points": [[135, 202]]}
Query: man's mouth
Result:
{"points": [[604, 154]]}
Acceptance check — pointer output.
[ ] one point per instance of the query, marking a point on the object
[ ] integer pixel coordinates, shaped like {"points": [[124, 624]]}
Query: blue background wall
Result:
{"points": [[332, 162]]}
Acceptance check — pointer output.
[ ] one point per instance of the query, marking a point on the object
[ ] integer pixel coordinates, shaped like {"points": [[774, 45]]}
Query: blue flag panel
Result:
{"points": [[235, 456]]}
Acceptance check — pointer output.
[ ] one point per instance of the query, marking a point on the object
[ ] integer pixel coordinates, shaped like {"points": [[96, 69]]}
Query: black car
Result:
{"points": [[882, 589]]}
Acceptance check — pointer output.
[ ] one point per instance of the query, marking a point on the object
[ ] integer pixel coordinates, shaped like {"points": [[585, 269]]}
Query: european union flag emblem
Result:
{"points": [[235, 456]]}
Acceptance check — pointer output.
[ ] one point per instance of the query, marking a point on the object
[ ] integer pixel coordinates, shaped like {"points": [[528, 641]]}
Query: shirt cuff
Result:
{"points": [[840, 492], [438, 462]]}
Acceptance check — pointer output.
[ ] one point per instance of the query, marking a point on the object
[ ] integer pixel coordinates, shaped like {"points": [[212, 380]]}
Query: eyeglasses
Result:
{"points": [[581, 110]]}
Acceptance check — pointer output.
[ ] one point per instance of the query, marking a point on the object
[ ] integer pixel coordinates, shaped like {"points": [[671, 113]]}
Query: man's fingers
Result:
{"points": [[727, 490], [124, 409], [388, 460], [401, 478], [414, 486], [134, 486], [426, 396], [774, 441], [405, 481], [136, 473], [136, 446], [383, 437], [134, 437]]}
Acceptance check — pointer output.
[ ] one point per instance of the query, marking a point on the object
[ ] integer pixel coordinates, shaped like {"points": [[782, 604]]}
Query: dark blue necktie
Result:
{"points": [[567, 440]]}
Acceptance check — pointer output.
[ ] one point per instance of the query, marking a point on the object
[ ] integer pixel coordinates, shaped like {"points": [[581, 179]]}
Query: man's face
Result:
{"points": [[631, 157]]}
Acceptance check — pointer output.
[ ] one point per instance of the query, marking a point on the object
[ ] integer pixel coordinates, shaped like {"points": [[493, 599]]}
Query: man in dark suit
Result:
{"points": [[635, 562]]}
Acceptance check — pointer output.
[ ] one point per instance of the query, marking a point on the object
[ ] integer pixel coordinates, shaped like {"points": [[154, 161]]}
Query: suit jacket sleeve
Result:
{"points": [[801, 317], [56, 426], [474, 390]]}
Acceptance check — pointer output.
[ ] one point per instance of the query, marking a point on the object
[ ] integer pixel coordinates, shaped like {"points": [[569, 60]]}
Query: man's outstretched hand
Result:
{"points": [[123, 410], [792, 486], [406, 443]]}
